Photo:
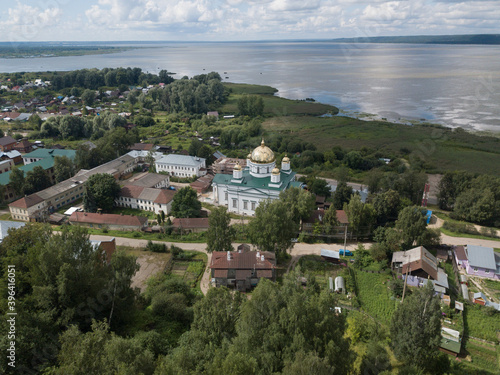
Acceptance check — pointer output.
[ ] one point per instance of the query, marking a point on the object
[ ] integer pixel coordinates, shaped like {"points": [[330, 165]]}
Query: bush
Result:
{"points": [[465, 228], [136, 234], [156, 247], [176, 251], [489, 232]]}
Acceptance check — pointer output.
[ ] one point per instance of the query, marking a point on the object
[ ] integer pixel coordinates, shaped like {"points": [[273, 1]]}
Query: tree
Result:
{"points": [[88, 97], [186, 204], [16, 181], [101, 190], [281, 321], [63, 168], [37, 179], [102, 352], [220, 234], [273, 227], [411, 224], [150, 160], [361, 215], [451, 185], [342, 195], [165, 76], [319, 187], [300, 202], [477, 206], [416, 328], [387, 206]]}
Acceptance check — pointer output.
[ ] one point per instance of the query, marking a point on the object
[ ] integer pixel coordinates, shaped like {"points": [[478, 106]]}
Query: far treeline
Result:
{"points": [[427, 39]]}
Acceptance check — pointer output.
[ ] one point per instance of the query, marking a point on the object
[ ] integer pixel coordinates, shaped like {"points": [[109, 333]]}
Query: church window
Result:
{"points": [[235, 203], [245, 205], [253, 206], [225, 196]]}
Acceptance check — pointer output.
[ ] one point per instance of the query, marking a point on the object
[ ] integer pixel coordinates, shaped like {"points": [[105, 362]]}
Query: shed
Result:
{"points": [[340, 284], [330, 256]]}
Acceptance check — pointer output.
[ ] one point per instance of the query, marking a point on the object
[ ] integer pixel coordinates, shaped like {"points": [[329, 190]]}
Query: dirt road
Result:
{"points": [[297, 251]]}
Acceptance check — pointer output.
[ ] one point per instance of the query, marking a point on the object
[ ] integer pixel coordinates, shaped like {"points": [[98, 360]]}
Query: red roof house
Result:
{"points": [[242, 270]]}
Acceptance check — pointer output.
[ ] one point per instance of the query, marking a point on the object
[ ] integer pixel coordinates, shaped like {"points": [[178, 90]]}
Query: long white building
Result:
{"points": [[182, 165]]}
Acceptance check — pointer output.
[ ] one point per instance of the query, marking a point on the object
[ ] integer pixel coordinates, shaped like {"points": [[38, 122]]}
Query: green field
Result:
{"points": [[480, 324], [274, 105], [374, 296], [440, 148]]}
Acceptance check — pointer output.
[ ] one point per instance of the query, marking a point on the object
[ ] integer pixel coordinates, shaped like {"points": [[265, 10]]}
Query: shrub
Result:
{"points": [[136, 234], [465, 228], [176, 251], [156, 247]]}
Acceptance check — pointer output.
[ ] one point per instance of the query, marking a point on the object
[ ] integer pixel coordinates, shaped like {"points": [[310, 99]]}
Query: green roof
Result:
{"points": [[256, 182], [44, 163], [450, 345], [48, 152]]}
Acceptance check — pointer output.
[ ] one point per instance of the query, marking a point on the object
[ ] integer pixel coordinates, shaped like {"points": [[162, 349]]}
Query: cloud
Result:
{"points": [[245, 19], [24, 22]]}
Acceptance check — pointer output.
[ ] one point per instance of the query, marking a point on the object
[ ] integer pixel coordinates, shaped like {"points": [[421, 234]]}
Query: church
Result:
{"points": [[242, 191]]}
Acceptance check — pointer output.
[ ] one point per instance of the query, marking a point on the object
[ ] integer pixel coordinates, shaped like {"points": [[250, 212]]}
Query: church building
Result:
{"points": [[242, 190]]}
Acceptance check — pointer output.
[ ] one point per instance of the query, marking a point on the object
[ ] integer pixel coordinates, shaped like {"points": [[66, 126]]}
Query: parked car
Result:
{"points": [[346, 253]]}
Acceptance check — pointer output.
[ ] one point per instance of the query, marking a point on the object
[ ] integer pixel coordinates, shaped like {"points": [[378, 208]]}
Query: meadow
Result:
{"points": [[439, 148]]}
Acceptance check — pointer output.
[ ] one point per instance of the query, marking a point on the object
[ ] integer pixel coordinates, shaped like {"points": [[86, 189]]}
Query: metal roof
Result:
{"points": [[249, 181], [482, 257], [190, 161], [330, 254]]}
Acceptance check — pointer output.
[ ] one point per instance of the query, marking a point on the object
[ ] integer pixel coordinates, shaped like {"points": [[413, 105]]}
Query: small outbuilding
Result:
{"points": [[331, 256], [340, 285]]}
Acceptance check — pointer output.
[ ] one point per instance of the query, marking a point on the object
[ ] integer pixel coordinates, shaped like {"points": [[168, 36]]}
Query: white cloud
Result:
{"points": [[25, 22], [244, 19]]}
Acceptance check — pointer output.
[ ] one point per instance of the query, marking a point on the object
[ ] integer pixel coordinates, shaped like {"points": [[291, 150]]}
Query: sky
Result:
{"points": [[232, 20]]}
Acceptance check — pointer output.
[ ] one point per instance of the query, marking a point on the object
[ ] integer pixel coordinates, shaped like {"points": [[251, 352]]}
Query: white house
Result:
{"points": [[147, 199], [182, 165], [242, 191]]}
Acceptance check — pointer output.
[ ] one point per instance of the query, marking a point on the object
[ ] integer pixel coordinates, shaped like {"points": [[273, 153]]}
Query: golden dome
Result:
{"points": [[237, 167], [275, 171], [285, 159], [262, 154]]}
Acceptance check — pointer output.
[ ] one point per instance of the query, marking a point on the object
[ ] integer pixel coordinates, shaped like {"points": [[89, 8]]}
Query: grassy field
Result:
{"points": [[440, 148], [374, 296], [191, 237], [478, 236], [274, 105], [484, 356], [190, 271], [480, 324]]}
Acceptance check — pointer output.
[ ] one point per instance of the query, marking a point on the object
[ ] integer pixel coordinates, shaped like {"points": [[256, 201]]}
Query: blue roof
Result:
{"points": [[483, 257]]}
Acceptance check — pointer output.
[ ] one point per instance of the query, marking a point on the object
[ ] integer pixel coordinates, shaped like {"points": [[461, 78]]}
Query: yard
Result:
{"points": [[150, 264], [374, 295], [482, 322], [189, 268]]}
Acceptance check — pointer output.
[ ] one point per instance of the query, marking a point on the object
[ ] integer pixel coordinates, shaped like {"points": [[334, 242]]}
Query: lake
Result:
{"points": [[454, 85]]}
